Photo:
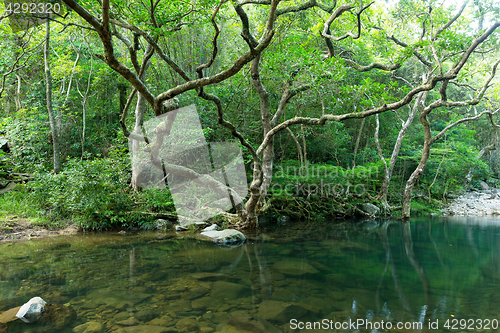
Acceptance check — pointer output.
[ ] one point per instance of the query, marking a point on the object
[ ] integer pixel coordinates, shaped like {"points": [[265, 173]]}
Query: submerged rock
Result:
{"points": [[223, 289], [146, 329], [180, 228], [89, 327], [293, 267], [246, 323], [58, 316], [282, 311], [9, 315], [225, 237]]}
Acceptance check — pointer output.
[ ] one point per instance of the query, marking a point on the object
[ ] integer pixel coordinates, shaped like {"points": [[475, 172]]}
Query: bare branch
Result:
{"points": [[245, 31], [337, 14], [232, 70], [463, 120], [106, 39], [156, 47], [209, 63], [287, 95], [373, 65], [15, 67], [451, 74], [450, 22], [415, 52]]}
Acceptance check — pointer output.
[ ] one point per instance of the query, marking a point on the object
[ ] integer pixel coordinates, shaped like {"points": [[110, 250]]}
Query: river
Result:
{"points": [[374, 275]]}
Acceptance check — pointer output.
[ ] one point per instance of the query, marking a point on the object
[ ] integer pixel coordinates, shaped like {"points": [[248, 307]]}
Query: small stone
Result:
{"points": [[180, 228], [484, 185], [223, 290], [187, 323], [90, 327], [294, 267], [145, 315], [213, 227], [121, 316], [128, 322], [9, 315]]}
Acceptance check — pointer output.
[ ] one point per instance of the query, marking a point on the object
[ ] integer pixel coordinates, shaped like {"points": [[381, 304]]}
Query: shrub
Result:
{"points": [[90, 191]]}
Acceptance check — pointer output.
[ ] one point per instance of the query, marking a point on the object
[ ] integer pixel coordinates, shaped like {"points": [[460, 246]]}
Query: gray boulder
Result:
{"points": [[369, 209], [484, 185], [226, 237], [164, 225]]}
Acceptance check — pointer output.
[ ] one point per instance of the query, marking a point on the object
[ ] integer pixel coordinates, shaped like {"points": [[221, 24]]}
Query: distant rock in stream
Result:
{"points": [[225, 237]]}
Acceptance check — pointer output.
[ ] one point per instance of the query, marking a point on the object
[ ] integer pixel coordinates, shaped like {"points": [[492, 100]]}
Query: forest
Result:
{"points": [[334, 109]]}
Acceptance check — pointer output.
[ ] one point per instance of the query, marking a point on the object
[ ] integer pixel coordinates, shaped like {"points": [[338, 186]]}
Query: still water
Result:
{"points": [[401, 277]]}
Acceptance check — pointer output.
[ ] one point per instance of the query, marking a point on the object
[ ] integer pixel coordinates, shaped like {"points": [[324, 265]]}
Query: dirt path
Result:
{"points": [[20, 229], [476, 203]]}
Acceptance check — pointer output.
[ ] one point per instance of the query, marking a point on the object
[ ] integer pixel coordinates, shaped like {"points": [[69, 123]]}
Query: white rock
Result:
{"points": [[180, 228], [32, 310], [213, 227]]}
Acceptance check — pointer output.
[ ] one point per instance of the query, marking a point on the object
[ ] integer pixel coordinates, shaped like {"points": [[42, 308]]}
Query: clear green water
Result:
{"points": [[426, 270]]}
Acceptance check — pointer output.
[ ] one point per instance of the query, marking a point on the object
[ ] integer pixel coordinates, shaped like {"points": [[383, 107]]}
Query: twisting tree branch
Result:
{"points": [[429, 85], [337, 14], [415, 52], [209, 63], [451, 21]]}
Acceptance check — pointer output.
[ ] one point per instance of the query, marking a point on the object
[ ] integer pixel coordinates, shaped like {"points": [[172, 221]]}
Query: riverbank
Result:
{"points": [[475, 203], [21, 229]]}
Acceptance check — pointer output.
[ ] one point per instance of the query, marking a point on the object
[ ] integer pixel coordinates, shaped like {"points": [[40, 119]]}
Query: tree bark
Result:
{"points": [[420, 168], [356, 147], [48, 85], [384, 190], [297, 143]]}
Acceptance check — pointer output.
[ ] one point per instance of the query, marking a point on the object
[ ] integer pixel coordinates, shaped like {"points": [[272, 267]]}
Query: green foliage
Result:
{"points": [[291, 179], [156, 200], [29, 139], [89, 191]]}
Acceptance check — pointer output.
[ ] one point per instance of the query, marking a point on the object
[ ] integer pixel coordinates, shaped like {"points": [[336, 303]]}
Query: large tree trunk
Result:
{"points": [[299, 147], [140, 108], [48, 85], [262, 173], [356, 147], [420, 168], [384, 190]]}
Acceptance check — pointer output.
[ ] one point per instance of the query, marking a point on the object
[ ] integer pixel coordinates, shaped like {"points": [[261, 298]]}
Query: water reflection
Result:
{"points": [[419, 271]]}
